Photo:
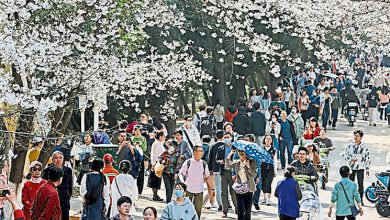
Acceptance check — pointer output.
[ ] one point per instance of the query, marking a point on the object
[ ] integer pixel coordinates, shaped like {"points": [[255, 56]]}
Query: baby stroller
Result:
{"points": [[310, 205]]}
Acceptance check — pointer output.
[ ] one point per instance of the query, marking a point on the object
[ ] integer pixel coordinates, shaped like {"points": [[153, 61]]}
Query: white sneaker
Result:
{"points": [[268, 202], [214, 205], [264, 201]]}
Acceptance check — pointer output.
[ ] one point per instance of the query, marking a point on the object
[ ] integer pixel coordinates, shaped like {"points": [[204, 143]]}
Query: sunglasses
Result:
{"points": [[36, 169]]}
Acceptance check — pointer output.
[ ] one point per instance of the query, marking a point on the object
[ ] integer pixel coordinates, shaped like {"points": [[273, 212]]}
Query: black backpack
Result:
{"points": [[207, 126]]}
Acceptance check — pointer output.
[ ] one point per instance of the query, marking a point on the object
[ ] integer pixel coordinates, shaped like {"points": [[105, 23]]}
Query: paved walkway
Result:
{"points": [[377, 138]]}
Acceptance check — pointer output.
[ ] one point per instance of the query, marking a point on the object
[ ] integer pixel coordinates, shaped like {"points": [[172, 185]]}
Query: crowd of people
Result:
{"points": [[290, 124]]}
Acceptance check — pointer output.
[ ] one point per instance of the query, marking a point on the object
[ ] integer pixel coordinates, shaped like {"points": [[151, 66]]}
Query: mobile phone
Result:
{"points": [[4, 192]]}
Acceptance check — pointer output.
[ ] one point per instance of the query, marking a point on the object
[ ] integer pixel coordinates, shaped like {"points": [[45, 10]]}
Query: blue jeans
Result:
{"points": [[217, 177], [289, 145], [325, 118], [256, 194], [335, 113]]}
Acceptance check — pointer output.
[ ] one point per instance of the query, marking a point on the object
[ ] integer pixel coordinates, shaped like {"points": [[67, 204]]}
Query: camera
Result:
{"points": [[4, 192]]}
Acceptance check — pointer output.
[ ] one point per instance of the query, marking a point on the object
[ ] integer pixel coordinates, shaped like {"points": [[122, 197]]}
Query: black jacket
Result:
{"points": [[258, 123], [212, 159], [241, 122], [372, 99], [221, 156], [306, 168]]}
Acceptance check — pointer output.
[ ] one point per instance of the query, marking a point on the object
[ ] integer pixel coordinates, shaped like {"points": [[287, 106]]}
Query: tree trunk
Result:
{"points": [[193, 102], [183, 101], [206, 96], [21, 146], [218, 85]]}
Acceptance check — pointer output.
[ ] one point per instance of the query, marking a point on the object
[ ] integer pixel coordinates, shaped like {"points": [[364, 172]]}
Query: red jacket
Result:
{"points": [[29, 192], [110, 172], [309, 134], [230, 115], [18, 215], [46, 204]]}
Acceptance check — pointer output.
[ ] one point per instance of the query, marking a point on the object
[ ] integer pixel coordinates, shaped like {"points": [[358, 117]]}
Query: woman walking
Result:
{"points": [[169, 159], [95, 191], [344, 195], [244, 173], [303, 106], [288, 194], [268, 171], [158, 149], [123, 185]]}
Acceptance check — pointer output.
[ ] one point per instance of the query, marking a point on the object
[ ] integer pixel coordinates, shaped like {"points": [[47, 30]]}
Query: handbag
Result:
{"points": [[353, 208], [158, 169], [241, 188]]}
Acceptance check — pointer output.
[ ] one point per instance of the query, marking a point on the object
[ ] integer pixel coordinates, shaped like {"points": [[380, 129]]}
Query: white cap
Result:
{"points": [[34, 163], [37, 139]]}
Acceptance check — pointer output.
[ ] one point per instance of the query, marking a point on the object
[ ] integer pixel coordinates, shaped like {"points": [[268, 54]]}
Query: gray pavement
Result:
{"points": [[377, 138]]}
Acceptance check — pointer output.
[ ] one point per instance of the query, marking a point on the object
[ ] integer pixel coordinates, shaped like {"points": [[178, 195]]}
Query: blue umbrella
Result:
{"points": [[254, 152]]}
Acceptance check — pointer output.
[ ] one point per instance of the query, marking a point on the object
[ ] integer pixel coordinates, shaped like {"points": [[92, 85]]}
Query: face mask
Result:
{"points": [[179, 193], [227, 141], [294, 110], [171, 149], [274, 119]]}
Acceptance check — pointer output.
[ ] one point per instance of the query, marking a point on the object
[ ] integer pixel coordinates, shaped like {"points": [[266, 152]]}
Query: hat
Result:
{"points": [[34, 163], [37, 139], [108, 158]]}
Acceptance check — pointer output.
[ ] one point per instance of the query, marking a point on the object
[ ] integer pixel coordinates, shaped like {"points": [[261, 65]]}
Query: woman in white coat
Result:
{"points": [[123, 185]]}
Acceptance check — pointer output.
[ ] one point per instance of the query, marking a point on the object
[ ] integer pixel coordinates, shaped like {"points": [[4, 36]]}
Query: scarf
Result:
{"points": [[36, 180]]}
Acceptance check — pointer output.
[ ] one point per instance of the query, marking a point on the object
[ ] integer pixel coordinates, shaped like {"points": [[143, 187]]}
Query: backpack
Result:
{"points": [[189, 163], [207, 126]]}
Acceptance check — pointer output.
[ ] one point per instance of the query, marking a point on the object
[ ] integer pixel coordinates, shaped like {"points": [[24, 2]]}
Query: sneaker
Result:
{"points": [[157, 198], [374, 125], [220, 208], [268, 203], [214, 205], [257, 207], [224, 215], [263, 201]]}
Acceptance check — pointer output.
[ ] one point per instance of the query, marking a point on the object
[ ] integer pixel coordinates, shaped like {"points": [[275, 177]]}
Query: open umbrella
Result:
{"points": [[254, 151], [330, 75]]}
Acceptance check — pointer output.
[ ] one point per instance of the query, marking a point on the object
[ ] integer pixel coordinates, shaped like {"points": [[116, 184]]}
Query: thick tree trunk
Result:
{"points": [[218, 85], [183, 101], [21, 146], [206, 95]]}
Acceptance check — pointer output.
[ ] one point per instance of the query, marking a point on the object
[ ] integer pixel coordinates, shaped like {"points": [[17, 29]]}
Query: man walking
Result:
{"points": [[189, 174], [287, 139], [258, 123], [358, 158], [226, 174], [335, 106], [65, 188], [215, 167], [372, 104]]}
